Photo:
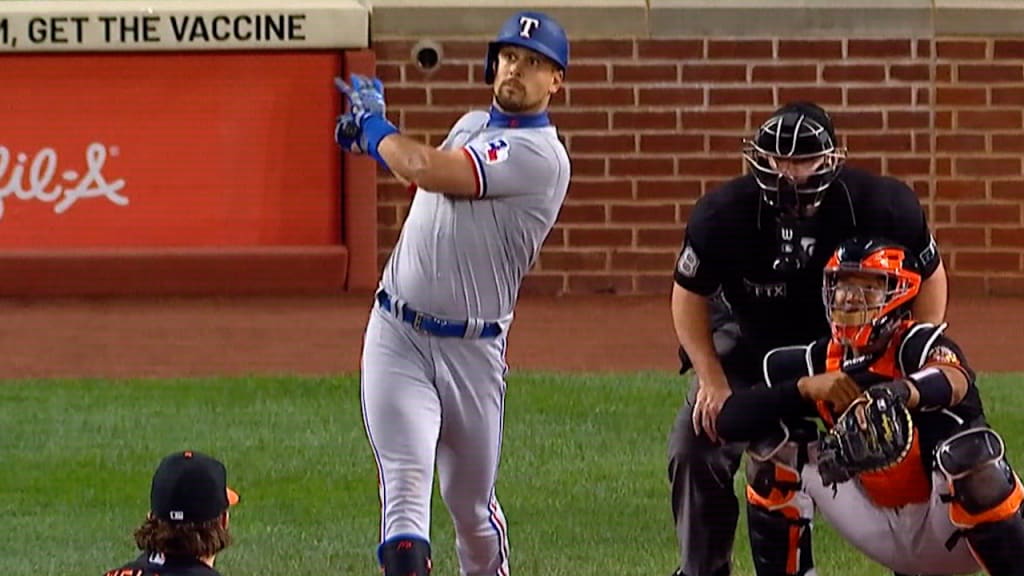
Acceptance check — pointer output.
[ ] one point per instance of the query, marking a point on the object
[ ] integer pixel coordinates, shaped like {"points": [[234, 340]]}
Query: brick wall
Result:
{"points": [[653, 124]]}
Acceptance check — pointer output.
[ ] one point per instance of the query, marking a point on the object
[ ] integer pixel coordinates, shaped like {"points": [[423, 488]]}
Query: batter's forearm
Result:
{"points": [[404, 156], [448, 172], [930, 305], [692, 321]]}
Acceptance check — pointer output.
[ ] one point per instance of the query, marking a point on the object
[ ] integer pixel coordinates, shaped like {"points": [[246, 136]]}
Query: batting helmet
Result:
{"points": [[533, 30]]}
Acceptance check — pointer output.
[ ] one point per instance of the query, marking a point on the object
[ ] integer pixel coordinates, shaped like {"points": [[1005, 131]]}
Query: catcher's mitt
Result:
{"points": [[874, 433]]}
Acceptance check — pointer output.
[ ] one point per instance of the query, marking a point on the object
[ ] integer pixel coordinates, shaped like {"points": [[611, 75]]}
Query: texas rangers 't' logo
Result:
{"points": [[527, 26]]}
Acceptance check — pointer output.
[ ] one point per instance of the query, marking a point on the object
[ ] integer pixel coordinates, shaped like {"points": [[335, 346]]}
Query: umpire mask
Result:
{"points": [[794, 158]]}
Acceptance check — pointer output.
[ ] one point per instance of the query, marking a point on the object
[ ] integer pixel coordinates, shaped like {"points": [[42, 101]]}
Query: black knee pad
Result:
{"points": [[404, 556], [981, 479]]}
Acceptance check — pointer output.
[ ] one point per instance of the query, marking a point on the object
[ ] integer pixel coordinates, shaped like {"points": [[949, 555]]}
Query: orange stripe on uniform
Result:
{"points": [[793, 554], [825, 412]]}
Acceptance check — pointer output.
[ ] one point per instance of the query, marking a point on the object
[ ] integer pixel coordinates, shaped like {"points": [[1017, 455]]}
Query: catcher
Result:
{"points": [[908, 471]]}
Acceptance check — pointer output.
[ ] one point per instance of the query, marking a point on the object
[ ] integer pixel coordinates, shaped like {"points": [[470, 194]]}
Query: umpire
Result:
{"points": [[748, 279]]}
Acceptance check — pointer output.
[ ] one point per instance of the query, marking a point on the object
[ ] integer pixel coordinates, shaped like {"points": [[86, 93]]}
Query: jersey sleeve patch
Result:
{"points": [[688, 262], [943, 355], [497, 151]]}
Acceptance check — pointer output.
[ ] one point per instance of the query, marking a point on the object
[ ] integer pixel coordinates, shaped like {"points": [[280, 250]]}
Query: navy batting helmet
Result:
{"points": [[533, 30]]}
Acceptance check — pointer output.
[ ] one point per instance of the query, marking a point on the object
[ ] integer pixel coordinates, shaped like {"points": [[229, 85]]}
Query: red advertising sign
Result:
{"points": [[178, 149]]}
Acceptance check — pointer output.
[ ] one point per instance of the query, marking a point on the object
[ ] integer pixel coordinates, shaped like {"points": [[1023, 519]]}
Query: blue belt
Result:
{"points": [[435, 326]]}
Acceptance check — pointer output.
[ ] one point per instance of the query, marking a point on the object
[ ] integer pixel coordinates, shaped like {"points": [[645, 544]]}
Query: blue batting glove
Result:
{"points": [[348, 135], [367, 111], [362, 134], [364, 94]]}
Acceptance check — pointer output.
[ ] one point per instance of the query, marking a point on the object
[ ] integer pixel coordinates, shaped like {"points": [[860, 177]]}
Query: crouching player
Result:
{"points": [[908, 471]]}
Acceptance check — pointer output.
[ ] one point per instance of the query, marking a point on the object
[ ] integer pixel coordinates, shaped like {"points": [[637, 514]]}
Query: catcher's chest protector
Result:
{"points": [[907, 481]]}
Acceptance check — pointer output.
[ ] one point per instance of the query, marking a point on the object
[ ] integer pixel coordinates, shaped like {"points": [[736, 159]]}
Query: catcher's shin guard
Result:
{"points": [[780, 544], [404, 556], [987, 499], [779, 513], [998, 545]]}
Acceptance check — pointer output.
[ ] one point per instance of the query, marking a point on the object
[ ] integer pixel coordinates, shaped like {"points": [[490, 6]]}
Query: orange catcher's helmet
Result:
{"points": [[869, 287]]}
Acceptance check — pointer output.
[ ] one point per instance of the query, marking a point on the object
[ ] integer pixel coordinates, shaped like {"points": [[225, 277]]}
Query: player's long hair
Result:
{"points": [[196, 539]]}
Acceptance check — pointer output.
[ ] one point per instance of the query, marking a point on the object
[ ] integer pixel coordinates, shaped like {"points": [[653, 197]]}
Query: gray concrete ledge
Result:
{"points": [[581, 18], [979, 17], [808, 19], [723, 18], [231, 24]]}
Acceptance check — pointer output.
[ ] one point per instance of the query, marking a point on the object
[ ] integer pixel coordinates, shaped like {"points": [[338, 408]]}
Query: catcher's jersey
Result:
{"points": [[914, 346], [460, 258], [160, 565]]}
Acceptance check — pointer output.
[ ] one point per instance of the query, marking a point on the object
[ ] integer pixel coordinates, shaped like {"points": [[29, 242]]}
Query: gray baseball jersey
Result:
{"points": [[460, 259], [433, 366]]}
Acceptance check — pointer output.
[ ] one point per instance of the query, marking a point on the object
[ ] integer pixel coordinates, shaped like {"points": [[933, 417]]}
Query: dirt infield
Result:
{"points": [[191, 337]]}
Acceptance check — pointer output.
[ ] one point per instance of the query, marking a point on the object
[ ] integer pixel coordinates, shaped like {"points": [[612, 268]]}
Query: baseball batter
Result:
{"points": [[433, 365], [910, 472]]}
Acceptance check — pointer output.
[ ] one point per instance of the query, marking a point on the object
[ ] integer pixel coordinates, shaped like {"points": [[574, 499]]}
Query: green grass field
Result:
{"points": [[583, 479]]}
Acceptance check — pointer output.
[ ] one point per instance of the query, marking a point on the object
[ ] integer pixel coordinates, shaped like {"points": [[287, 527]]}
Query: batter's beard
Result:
{"points": [[515, 104]]}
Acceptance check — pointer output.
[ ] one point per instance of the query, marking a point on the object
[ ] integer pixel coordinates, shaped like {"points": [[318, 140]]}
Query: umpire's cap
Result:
{"points": [[534, 30], [190, 487]]}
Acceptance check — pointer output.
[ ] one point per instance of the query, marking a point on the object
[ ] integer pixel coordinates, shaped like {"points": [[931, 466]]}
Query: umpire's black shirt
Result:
{"points": [[159, 565], [732, 241]]}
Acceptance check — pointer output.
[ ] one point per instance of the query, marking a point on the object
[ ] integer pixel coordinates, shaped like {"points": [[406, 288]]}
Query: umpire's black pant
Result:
{"points": [[704, 503]]}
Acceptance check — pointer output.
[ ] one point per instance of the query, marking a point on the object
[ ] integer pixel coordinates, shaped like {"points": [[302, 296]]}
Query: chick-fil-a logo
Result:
{"points": [[36, 183]]}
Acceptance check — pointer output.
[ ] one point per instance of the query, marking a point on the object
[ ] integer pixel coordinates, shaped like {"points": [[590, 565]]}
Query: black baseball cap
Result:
{"points": [[190, 487]]}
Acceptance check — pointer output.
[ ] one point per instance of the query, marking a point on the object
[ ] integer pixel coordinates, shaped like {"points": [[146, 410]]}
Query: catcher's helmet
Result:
{"points": [[534, 30], [799, 131], [863, 314]]}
